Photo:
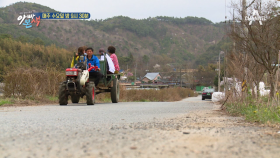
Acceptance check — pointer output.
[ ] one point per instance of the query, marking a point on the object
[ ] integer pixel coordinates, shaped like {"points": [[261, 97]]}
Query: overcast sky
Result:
{"points": [[213, 10]]}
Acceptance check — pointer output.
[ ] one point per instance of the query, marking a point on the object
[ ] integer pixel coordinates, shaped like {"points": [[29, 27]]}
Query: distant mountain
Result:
{"points": [[159, 40]]}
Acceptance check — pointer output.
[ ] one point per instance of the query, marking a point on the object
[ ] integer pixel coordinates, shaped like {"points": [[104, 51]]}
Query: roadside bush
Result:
{"points": [[32, 83], [39, 84]]}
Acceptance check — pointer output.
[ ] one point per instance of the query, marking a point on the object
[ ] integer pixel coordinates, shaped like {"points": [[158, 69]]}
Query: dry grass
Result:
{"points": [[151, 95], [162, 95], [32, 83], [41, 86]]}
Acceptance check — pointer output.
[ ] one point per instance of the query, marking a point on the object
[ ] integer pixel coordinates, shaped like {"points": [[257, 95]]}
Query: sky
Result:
{"points": [[213, 10]]}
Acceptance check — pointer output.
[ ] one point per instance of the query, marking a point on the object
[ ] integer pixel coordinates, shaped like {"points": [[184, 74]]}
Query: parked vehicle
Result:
{"points": [[207, 94]]}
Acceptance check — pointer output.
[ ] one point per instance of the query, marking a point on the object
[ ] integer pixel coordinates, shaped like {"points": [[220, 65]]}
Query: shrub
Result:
{"points": [[32, 82], [36, 84]]}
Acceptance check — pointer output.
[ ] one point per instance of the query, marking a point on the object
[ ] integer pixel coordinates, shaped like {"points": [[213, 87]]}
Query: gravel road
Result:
{"points": [[188, 128]]}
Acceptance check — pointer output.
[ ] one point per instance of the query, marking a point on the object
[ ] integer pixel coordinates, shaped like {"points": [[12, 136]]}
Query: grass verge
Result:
{"points": [[4, 101], [260, 110], [28, 101]]}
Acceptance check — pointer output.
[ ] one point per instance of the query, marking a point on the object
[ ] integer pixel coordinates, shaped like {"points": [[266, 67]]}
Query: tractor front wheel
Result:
{"points": [[90, 93], [63, 96]]}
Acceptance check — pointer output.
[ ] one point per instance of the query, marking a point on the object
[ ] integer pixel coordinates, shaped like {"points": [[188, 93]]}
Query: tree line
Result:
{"points": [[145, 27], [14, 53]]}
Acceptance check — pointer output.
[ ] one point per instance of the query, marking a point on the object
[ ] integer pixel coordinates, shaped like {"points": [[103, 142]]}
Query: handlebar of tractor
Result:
{"points": [[92, 67]]}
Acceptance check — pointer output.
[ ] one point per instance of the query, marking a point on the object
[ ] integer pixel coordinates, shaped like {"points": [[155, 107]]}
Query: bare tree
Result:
{"points": [[256, 72], [205, 75], [257, 36]]}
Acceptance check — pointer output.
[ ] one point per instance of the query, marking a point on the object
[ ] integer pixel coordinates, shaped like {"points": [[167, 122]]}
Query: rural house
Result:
{"points": [[151, 77]]}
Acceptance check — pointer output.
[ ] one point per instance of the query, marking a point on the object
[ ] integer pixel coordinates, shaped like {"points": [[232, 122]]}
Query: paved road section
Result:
{"points": [[96, 115], [135, 129]]}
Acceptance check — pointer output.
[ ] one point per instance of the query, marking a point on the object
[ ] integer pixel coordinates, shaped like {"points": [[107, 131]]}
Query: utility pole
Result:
{"points": [[180, 77], [225, 79], [233, 18], [135, 75], [245, 30], [243, 11], [219, 82], [219, 75], [126, 72], [277, 72]]}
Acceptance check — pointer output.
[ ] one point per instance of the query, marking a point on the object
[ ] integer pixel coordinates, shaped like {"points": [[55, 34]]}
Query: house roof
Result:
{"points": [[152, 75]]}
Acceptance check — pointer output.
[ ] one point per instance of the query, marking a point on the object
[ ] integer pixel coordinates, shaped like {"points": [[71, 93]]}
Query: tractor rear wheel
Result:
{"points": [[63, 96], [115, 91], [90, 93]]}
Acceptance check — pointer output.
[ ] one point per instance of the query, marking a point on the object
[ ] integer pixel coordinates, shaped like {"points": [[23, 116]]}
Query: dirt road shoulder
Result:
{"points": [[211, 134]]}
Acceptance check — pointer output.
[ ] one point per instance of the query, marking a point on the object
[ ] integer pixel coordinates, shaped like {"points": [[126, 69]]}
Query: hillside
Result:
{"points": [[158, 40], [15, 54]]}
